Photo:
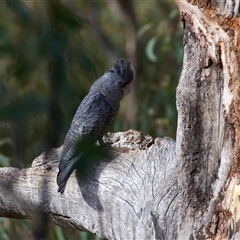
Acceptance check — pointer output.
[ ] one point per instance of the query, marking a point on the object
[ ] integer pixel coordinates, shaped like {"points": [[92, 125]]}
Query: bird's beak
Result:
{"points": [[126, 89]]}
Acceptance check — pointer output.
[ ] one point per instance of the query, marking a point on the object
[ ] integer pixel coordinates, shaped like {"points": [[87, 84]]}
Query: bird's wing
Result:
{"points": [[90, 121]]}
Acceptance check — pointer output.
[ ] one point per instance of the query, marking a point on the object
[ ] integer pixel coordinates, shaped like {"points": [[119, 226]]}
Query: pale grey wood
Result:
{"points": [[207, 144], [132, 196]]}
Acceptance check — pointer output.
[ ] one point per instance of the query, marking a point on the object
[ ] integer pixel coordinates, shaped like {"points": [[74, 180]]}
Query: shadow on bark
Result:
{"points": [[89, 170]]}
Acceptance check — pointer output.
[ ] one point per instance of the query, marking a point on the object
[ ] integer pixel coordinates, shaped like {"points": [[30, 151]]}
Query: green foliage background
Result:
{"points": [[50, 54]]}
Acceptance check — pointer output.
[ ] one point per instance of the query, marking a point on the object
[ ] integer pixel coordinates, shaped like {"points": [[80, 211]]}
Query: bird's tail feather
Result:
{"points": [[65, 173]]}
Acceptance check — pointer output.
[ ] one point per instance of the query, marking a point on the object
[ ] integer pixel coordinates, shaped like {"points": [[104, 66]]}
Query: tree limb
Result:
{"points": [[133, 196]]}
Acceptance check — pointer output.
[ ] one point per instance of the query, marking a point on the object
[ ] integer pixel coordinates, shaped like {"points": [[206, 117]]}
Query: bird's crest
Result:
{"points": [[122, 68]]}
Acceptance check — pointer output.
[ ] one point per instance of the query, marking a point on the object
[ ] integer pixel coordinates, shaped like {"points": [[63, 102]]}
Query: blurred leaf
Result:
{"points": [[84, 236], [5, 140], [3, 232], [4, 161], [4, 235], [174, 13], [150, 49], [59, 233], [143, 29], [162, 27], [166, 43]]}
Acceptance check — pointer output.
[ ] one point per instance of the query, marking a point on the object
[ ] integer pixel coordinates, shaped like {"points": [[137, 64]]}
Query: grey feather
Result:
{"points": [[94, 116]]}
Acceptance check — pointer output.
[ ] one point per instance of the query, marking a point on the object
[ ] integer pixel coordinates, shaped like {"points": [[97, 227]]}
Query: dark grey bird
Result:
{"points": [[94, 116]]}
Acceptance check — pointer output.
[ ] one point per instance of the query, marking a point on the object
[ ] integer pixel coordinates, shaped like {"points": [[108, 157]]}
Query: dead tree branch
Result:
{"points": [[132, 196]]}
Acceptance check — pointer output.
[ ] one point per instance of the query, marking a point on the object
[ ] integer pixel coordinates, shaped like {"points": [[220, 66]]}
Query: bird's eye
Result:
{"points": [[119, 83]]}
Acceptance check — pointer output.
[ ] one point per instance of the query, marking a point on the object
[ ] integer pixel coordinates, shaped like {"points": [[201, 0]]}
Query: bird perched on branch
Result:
{"points": [[94, 116]]}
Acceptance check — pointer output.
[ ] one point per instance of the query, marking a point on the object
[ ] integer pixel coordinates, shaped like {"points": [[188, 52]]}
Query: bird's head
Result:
{"points": [[115, 83]]}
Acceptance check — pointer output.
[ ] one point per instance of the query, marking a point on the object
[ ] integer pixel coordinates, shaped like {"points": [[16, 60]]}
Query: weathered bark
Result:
{"points": [[208, 122], [132, 196]]}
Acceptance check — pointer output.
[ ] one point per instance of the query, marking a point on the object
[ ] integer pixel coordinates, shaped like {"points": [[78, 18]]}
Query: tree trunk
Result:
{"points": [[208, 122]]}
